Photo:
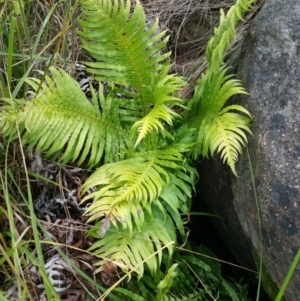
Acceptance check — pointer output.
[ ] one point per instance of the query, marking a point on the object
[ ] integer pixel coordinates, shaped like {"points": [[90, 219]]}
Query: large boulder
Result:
{"points": [[268, 62]]}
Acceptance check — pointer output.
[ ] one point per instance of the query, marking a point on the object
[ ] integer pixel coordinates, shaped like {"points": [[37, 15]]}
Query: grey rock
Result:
{"points": [[268, 62]]}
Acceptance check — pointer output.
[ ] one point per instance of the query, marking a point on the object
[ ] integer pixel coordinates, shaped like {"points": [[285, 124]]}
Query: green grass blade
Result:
{"points": [[10, 50], [16, 264], [260, 227], [50, 291], [33, 51], [288, 276]]}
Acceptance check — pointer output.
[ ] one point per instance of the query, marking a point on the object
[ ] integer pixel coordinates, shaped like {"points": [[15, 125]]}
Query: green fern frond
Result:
{"points": [[10, 116], [125, 50], [128, 54], [224, 133], [230, 290], [197, 277], [217, 89], [63, 123], [210, 83], [151, 122], [226, 30], [129, 251], [164, 87], [217, 130], [127, 187], [176, 197]]}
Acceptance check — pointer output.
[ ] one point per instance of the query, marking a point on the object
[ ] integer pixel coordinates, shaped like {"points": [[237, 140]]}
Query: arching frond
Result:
{"points": [[62, 122], [223, 34], [214, 87], [130, 251], [217, 89], [223, 133], [212, 123], [128, 54], [126, 188]]}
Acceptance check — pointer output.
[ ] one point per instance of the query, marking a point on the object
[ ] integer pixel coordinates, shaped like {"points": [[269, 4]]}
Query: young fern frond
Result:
{"points": [[213, 89], [165, 284]]}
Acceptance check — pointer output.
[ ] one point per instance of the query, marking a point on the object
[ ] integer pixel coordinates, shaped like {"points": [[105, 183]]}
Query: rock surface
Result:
{"points": [[268, 63]]}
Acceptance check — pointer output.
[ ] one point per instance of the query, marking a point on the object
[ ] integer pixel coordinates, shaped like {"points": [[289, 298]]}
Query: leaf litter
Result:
{"points": [[57, 206]]}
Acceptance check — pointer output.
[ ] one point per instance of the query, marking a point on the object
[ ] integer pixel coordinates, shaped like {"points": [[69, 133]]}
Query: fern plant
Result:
{"points": [[144, 175]]}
